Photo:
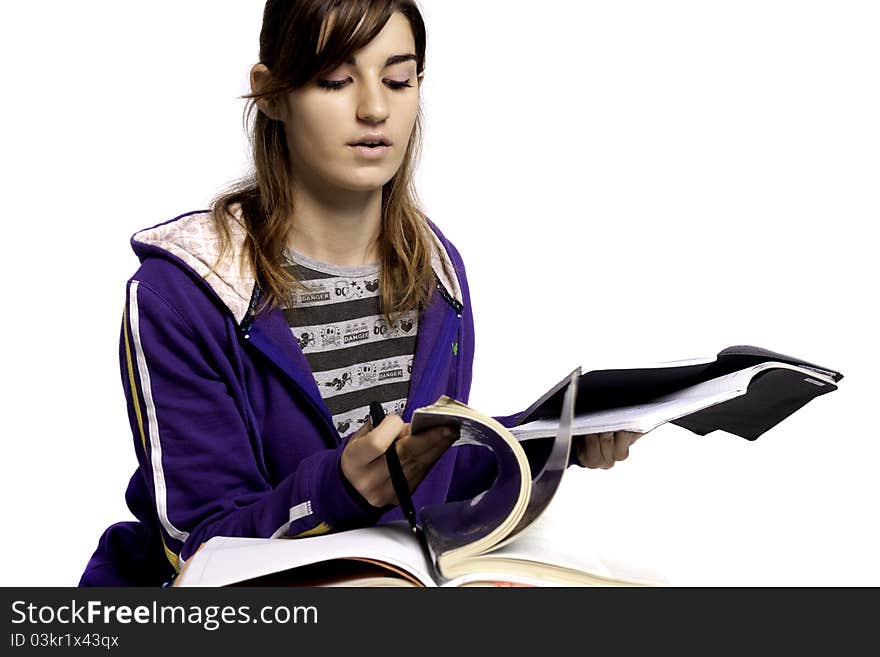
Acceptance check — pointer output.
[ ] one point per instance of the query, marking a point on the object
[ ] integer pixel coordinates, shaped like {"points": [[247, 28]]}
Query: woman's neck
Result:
{"points": [[338, 233]]}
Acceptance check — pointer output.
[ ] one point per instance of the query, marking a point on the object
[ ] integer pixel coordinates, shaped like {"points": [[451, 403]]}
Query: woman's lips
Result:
{"points": [[371, 152]]}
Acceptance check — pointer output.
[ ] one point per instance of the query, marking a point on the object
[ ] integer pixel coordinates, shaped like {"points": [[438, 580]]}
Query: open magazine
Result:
{"points": [[743, 390], [495, 538], [484, 541]]}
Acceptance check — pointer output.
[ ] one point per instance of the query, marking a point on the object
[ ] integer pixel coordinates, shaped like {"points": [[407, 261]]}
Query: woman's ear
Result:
{"points": [[260, 78]]}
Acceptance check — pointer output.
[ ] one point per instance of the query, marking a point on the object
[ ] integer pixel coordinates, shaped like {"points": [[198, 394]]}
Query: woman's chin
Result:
{"points": [[365, 183]]}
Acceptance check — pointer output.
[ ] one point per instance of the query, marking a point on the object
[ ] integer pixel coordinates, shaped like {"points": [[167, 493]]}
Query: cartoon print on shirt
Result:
{"points": [[399, 406], [342, 289], [366, 374], [407, 325], [343, 427], [409, 364], [305, 339], [373, 285], [356, 290], [339, 382], [330, 336], [380, 327]]}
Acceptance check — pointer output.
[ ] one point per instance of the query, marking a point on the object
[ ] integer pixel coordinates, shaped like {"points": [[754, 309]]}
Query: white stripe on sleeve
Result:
{"points": [[152, 424]]}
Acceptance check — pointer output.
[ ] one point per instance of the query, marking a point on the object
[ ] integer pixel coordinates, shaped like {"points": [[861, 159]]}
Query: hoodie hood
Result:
{"points": [[193, 239]]}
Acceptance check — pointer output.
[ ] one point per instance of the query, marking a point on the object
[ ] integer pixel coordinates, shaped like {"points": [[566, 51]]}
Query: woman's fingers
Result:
{"points": [[416, 453], [603, 450], [622, 442], [592, 451], [606, 449], [427, 442], [363, 462], [365, 466], [373, 444], [419, 452]]}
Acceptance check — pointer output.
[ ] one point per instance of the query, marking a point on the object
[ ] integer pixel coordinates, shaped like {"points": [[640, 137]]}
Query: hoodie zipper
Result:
{"points": [[456, 346], [248, 320], [447, 331], [449, 299]]}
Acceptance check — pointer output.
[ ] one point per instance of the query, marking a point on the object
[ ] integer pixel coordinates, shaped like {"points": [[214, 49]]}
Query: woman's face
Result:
{"points": [[367, 95]]}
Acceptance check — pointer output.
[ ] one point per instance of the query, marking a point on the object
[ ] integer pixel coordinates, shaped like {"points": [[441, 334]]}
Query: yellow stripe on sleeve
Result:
{"points": [[323, 528], [173, 559]]}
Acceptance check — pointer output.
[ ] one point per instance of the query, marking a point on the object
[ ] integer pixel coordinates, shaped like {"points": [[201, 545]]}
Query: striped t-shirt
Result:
{"points": [[356, 358]]}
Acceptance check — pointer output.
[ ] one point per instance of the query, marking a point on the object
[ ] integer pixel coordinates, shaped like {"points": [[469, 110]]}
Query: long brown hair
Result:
{"points": [[289, 42]]}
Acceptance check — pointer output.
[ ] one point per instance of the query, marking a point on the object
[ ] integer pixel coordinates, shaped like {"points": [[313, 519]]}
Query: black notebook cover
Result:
{"points": [[773, 395]]}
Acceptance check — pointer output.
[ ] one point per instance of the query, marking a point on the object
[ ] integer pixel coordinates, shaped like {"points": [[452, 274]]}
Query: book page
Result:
{"points": [[640, 418], [457, 529], [456, 525], [546, 482], [644, 417], [223, 561], [601, 389], [542, 556]]}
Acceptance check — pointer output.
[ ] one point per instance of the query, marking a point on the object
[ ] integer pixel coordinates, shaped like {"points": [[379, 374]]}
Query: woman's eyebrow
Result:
{"points": [[391, 61]]}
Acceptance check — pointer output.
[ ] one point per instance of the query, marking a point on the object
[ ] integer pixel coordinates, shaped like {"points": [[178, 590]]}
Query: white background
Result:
{"points": [[628, 182]]}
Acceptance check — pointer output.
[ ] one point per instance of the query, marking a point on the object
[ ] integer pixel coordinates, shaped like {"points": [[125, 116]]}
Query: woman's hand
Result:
{"points": [[603, 450], [363, 459]]}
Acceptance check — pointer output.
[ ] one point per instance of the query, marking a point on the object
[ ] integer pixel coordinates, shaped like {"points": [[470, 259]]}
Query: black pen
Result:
{"points": [[398, 479], [401, 486]]}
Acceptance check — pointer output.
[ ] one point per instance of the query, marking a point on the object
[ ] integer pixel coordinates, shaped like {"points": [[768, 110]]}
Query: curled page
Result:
{"points": [[455, 525], [457, 530], [546, 483]]}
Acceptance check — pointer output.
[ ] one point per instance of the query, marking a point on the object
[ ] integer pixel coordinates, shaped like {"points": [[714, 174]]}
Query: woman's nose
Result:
{"points": [[372, 104]]}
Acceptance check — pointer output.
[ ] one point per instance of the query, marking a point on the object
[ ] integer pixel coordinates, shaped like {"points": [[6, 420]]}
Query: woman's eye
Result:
{"points": [[339, 84], [332, 84]]}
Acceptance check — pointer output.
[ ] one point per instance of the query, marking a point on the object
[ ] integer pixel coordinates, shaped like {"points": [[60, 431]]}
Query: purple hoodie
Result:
{"points": [[232, 435]]}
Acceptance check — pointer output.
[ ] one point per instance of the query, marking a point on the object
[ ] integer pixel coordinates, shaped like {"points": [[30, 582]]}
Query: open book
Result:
{"points": [[743, 390], [496, 538], [490, 540]]}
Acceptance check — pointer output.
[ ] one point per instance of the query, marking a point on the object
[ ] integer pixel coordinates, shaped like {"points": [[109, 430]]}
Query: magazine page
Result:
{"points": [[223, 560], [547, 555], [649, 415], [546, 483], [471, 525]]}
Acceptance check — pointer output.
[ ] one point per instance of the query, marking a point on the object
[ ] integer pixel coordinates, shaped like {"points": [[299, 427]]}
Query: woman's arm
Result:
{"points": [[196, 449]]}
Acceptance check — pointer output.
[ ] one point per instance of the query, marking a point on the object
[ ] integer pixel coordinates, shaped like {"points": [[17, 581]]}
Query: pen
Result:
{"points": [[401, 486], [398, 479]]}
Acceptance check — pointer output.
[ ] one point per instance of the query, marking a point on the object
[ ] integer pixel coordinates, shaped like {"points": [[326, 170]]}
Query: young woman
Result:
{"points": [[256, 334]]}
